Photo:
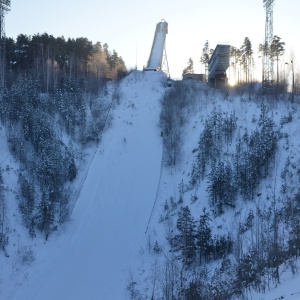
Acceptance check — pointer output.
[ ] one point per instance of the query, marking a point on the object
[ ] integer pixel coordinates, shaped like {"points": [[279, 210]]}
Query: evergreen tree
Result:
{"points": [[206, 55], [247, 58], [235, 56], [190, 68], [184, 241], [277, 50], [229, 126], [221, 188], [27, 203], [204, 238], [45, 216]]}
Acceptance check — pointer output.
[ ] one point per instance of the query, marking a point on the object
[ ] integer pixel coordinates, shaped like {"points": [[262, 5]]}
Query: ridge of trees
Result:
{"points": [[51, 59]]}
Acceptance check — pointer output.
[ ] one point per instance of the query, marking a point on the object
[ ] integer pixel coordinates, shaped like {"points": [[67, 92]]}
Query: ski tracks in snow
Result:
{"points": [[108, 224]]}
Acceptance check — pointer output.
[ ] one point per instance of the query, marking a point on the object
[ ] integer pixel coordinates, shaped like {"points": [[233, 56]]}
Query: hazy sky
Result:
{"points": [[128, 25]]}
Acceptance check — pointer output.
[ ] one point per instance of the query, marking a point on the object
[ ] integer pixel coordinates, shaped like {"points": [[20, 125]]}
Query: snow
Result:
{"points": [[92, 259], [93, 256], [289, 289]]}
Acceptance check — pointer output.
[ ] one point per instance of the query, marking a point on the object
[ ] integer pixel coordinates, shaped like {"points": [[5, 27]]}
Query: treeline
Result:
{"points": [[52, 59], [242, 62]]}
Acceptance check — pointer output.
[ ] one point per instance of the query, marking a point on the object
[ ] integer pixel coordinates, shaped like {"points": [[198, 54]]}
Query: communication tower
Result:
{"points": [[4, 7], [268, 70]]}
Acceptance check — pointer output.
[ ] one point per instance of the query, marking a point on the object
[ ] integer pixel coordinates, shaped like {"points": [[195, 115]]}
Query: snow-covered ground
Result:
{"points": [[289, 289], [93, 256]]}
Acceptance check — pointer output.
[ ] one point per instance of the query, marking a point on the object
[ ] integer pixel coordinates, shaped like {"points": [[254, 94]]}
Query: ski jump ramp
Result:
{"points": [[158, 47]]}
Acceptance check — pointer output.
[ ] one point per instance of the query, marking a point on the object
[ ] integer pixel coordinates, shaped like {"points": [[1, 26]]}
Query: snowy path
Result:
{"points": [[108, 222]]}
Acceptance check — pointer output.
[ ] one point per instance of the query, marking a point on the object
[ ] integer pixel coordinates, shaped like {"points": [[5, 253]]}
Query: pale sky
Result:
{"points": [[128, 25]]}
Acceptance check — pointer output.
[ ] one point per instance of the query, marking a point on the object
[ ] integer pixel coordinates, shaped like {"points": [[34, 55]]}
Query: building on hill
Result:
{"points": [[217, 66], [192, 76]]}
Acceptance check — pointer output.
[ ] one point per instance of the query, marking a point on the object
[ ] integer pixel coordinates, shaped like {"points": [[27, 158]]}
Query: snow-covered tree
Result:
{"points": [[184, 241], [190, 67]]}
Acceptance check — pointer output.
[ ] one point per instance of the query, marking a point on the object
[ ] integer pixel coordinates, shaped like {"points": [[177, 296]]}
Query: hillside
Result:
{"points": [[99, 245], [123, 239]]}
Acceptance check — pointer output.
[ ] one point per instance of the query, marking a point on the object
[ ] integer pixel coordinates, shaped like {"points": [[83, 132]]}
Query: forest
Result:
{"points": [[51, 59], [53, 106]]}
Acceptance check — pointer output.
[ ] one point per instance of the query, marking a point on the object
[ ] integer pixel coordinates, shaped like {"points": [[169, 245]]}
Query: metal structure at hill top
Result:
{"points": [[158, 56]]}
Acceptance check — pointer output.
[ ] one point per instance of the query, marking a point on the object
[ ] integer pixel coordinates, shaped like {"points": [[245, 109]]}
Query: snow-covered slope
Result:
{"points": [[105, 240], [92, 259]]}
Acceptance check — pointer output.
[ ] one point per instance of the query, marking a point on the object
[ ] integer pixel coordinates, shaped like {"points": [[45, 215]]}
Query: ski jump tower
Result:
{"points": [[4, 7], [158, 56], [268, 70]]}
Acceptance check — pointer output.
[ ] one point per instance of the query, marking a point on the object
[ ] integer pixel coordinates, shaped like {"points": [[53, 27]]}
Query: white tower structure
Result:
{"points": [[158, 56]]}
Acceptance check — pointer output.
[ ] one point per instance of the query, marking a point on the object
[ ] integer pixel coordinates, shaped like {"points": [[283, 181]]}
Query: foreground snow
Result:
{"points": [[104, 242], [92, 259], [289, 289]]}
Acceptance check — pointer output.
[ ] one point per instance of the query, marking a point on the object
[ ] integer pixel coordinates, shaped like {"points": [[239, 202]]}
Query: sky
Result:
{"points": [[128, 26]]}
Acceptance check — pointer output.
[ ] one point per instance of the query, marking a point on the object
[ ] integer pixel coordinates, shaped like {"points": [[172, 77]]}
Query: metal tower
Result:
{"points": [[268, 70], [165, 64], [4, 7]]}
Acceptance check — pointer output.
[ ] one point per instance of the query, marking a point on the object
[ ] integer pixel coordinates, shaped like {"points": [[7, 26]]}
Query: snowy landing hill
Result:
{"points": [[106, 250], [93, 257]]}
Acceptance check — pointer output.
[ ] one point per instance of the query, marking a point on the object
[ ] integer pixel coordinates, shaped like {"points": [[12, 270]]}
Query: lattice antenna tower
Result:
{"points": [[4, 8], [268, 68]]}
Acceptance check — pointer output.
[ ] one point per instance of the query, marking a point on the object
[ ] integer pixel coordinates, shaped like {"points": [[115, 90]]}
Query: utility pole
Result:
{"points": [[4, 7], [268, 69]]}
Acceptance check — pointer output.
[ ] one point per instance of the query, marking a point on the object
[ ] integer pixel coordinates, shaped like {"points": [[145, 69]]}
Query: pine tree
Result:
{"points": [[276, 50], [184, 241], [27, 203], [190, 68], [206, 54], [235, 55], [221, 188], [247, 58], [45, 217], [204, 238]]}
